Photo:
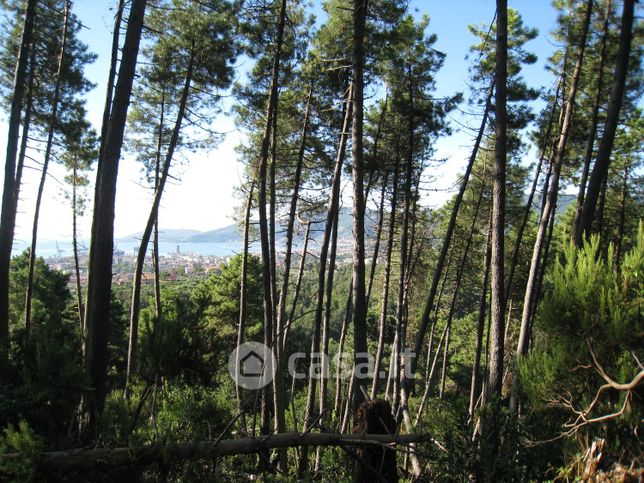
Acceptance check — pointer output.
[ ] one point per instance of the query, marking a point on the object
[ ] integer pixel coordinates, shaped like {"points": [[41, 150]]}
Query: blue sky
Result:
{"points": [[203, 198]]}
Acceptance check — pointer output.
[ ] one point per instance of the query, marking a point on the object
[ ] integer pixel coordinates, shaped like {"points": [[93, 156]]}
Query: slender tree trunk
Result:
{"points": [[551, 199], [594, 120], [152, 217], [53, 120], [337, 408], [298, 284], [600, 168], [99, 286], [382, 324], [357, 171], [376, 248], [475, 387], [291, 223], [497, 306], [622, 219], [241, 328], [528, 207], [9, 199], [429, 304], [457, 286], [24, 137], [332, 212], [268, 395], [79, 294]]}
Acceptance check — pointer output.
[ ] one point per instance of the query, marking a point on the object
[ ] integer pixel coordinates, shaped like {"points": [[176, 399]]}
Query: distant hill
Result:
{"points": [[166, 235], [232, 234]]}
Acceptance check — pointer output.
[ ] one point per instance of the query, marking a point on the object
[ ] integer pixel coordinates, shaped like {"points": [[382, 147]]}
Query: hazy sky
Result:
{"points": [[203, 198]]}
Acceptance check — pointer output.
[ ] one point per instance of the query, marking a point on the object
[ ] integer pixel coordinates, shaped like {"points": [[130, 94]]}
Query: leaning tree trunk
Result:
{"points": [[594, 120], [99, 285], [298, 285], [79, 293], [551, 198], [440, 263], [332, 213], [152, 218], [9, 199], [382, 324], [528, 207], [600, 169], [53, 120], [457, 286]]}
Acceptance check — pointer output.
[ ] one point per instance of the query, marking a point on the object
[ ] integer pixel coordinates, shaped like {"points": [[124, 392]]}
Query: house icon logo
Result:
{"points": [[252, 365]]}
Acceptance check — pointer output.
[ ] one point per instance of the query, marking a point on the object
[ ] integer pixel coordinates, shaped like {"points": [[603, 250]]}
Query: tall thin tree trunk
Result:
{"points": [[382, 324], [429, 303], [551, 199], [337, 406], [622, 219], [457, 286], [298, 284], [79, 294], [528, 207], [376, 248], [594, 120], [497, 306], [9, 199], [241, 328], [357, 171], [332, 213], [99, 286], [600, 168], [53, 120], [152, 217], [268, 396], [475, 387]]}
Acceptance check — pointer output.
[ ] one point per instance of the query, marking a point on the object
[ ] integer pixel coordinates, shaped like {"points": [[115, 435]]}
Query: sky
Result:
{"points": [[202, 198]]}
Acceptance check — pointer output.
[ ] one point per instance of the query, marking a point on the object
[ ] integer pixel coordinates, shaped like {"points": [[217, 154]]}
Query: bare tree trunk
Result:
{"points": [[79, 294], [332, 212], [551, 199], [53, 119], [298, 284], [343, 334], [152, 217], [622, 219], [24, 141], [497, 305], [376, 248], [268, 396], [99, 287], [241, 328], [457, 286], [429, 304], [382, 324], [480, 326], [9, 199], [600, 168], [594, 120], [528, 207], [357, 171]]}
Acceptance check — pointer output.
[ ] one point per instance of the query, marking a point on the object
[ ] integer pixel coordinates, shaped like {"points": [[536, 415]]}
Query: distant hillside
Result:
{"points": [[232, 234], [166, 235]]}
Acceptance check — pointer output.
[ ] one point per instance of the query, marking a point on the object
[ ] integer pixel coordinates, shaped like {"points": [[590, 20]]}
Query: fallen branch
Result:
{"points": [[92, 459]]}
